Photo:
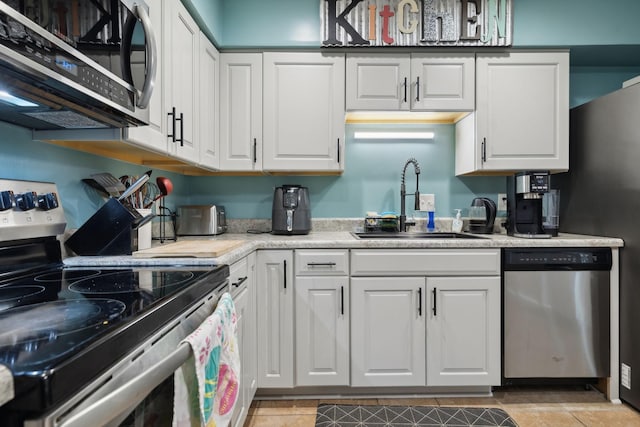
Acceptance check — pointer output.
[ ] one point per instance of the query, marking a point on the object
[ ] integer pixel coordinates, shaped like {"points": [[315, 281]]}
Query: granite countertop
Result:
{"points": [[342, 240]]}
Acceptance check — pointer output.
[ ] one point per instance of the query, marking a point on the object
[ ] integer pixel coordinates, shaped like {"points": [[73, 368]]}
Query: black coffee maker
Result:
{"points": [[525, 191]]}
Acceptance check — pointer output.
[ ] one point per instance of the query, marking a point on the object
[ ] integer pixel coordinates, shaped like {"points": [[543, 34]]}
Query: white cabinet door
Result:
{"points": [[387, 331], [250, 366], [208, 138], [241, 114], [275, 318], [522, 114], [322, 330], [443, 82], [181, 79], [152, 136], [303, 111], [378, 82], [463, 331], [241, 302], [417, 82]]}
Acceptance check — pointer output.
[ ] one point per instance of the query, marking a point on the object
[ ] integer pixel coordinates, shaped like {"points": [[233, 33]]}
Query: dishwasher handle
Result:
{"points": [[130, 394]]}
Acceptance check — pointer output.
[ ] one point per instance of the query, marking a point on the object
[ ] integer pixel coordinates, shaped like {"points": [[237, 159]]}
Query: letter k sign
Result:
{"points": [[333, 21]]}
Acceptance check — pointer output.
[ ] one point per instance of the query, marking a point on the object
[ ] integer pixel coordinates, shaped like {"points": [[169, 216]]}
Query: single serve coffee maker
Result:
{"points": [[525, 191]]}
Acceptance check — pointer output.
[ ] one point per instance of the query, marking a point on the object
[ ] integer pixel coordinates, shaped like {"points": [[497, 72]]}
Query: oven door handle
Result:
{"points": [[130, 394]]}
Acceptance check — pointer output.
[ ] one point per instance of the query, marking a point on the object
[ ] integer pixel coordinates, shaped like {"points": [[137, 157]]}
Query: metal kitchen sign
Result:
{"points": [[468, 23]]}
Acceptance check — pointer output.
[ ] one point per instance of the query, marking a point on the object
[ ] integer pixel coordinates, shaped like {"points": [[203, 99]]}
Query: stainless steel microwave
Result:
{"points": [[76, 64]]}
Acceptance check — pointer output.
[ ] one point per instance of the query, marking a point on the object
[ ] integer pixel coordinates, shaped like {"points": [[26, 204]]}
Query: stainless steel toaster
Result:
{"points": [[201, 220]]}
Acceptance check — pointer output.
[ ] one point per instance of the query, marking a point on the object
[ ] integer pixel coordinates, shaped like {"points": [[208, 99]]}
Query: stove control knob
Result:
{"points": [[48, 201], [26, 201], [7, 200]]}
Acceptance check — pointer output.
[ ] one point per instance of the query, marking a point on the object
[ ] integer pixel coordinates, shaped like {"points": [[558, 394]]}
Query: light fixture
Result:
{"points": [[14, 100], [393, 135]]}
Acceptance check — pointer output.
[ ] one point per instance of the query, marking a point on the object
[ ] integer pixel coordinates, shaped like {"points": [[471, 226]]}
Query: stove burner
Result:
{"points": [[66, 275], [32, 335], [18, 295], [120, 282]]}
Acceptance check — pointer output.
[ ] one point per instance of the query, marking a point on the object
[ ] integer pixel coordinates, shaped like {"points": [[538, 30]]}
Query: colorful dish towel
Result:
{"points": [[207, 385]]}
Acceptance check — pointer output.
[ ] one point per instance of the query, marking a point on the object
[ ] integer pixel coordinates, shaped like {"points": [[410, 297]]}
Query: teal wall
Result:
{"points": [[25, 159], [295, 23], [372, 176], [371, 181]]}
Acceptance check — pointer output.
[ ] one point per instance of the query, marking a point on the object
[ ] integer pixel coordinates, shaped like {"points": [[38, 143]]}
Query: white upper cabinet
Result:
{"points": [[209, 104], [241, 113], [521, 120], [181, 80], [418, 82], [303, 111]]}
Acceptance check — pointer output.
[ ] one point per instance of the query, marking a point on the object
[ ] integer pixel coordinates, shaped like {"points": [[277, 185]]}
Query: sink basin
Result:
{"points": [[414, 235]]}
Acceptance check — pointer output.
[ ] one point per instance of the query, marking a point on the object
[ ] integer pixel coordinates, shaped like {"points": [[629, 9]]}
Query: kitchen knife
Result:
{"points": [[134, 187]]}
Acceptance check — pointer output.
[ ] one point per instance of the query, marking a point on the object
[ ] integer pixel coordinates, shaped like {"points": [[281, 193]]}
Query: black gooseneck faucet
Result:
{"points": [[403, 193]]}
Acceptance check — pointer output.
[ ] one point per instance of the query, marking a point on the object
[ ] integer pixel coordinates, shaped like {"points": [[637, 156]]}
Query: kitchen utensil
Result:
{"points": [[134, 187], [111, 184], [165, 186], [94, 184]]}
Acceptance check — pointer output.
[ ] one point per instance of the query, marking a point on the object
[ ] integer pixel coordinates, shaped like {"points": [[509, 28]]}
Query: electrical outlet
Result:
{"points": [[502, 201], [428, 202], [625, 375]]}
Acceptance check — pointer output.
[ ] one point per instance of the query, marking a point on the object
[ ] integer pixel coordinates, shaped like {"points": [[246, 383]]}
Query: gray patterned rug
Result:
{"points": [[330, 415]]}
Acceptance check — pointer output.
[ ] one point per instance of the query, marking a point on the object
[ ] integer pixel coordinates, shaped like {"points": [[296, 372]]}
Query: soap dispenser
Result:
{"points": [[456, 225]]}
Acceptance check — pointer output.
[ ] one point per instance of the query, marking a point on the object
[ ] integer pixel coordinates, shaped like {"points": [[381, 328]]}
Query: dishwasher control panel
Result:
{"points": [[557, 258]]}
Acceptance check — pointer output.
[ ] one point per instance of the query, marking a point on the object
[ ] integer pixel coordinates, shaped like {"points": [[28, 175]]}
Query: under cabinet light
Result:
{"points": [[394, 135], [14, 100]]}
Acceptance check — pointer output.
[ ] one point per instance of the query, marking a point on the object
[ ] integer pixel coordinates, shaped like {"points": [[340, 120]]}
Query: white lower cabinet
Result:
{"points": [[275, 318], [322, 330], [387, 331], [463, 331]]}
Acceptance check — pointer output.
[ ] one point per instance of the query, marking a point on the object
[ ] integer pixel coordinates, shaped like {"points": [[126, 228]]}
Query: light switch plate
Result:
{"points": [[428, 202]]}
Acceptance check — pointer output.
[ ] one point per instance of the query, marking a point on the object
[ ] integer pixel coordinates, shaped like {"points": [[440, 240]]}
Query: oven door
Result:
{"points": [[138, 390]]}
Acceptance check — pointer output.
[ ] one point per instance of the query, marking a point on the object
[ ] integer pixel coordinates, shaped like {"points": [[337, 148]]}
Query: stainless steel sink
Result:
{"points": [[415, 235]]}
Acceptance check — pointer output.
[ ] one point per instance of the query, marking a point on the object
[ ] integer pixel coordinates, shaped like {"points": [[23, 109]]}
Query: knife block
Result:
{"points": [[110, 231]]}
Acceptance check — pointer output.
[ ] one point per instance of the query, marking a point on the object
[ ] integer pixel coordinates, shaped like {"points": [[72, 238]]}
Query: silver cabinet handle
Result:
{"points": [[240, 281], [131, 393], [321, 264], [152, 54]]}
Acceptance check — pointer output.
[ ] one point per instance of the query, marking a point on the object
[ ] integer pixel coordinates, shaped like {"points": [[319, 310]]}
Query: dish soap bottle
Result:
{"points": [[456, 225]]}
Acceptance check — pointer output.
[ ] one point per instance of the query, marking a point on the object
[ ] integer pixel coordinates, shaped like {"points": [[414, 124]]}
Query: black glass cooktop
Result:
{"points": [[60, 321]]}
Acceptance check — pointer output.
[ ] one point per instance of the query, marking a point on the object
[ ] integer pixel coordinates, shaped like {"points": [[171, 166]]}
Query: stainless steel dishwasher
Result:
{"points": [[555, 314]]}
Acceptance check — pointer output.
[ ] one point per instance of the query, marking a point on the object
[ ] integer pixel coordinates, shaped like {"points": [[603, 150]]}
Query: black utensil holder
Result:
{"points": [[110, 231]]}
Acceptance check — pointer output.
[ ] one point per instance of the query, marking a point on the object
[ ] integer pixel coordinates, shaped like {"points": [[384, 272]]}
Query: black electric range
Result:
{"points": [[61, 327]]}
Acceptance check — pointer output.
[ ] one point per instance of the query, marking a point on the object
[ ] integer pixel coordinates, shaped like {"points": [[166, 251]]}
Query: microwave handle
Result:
{"points": [[127, 397], [144, 95]]}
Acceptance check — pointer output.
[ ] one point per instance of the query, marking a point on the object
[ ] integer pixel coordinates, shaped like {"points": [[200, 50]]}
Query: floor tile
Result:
{"points": [[617, 418], [427, 401], [281, 421], [286, 407], [537, 418]]}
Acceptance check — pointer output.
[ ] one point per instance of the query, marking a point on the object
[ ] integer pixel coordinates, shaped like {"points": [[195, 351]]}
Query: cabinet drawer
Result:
{"points": [[425, 262], [316, 262], [238, 274]]}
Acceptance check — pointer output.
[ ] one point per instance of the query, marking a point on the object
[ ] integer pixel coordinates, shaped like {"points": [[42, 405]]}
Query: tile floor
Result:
{"points": [[528, 406]]}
